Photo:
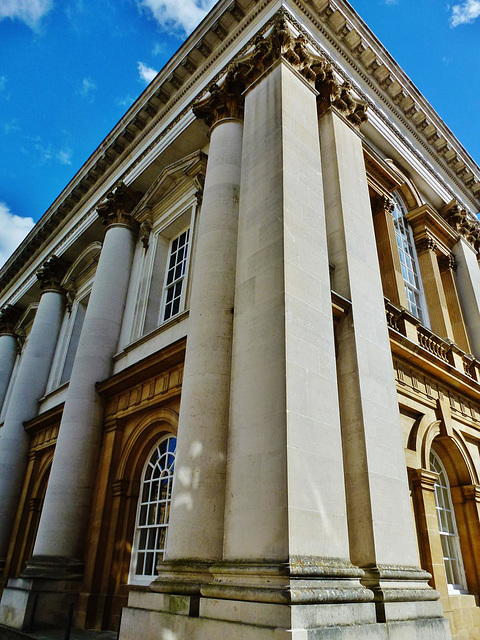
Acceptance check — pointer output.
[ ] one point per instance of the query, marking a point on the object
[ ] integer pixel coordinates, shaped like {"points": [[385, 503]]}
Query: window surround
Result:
{"points": [[151, 297], [409, 261]]}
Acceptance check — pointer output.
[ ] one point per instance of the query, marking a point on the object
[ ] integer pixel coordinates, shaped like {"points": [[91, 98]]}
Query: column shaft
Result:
{"points": [[8, 355], [468, 284], [196, 517], [285, 488], [380, 524], [29, 387], [69, 493]]}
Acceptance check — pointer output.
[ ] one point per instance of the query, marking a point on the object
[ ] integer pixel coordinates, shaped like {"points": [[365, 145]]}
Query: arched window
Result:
{"points": [[153, 511], [447, 524], [408, 261]]}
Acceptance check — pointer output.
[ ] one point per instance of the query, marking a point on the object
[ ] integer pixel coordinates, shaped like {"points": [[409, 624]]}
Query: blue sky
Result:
{"points": [[69, 69]]}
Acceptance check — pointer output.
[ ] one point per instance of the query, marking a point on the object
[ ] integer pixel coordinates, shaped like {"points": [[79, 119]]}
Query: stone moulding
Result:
{"points": [[301, 581]]}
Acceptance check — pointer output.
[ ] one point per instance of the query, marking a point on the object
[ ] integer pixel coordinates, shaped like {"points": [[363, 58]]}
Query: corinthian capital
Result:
{"points": [[340, 96], [9, 316], [51, 274], [224, 100], [118, 205], [458, 218]]}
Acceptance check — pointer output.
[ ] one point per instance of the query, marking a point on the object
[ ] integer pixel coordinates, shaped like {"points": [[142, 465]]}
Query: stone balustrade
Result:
{"points": [[405, 323]]}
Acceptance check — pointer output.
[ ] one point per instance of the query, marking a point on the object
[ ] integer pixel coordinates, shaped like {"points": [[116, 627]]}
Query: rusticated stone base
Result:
{"points": [[154, 616], [45, 603]]}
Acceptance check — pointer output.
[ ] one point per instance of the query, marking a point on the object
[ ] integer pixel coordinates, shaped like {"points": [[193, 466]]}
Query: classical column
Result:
{"points": [[196, 516], [29, 387], [8, 347], [448, 267], [285, 516], [380, 523], [59, 544], [433, 287], [390, 267]]}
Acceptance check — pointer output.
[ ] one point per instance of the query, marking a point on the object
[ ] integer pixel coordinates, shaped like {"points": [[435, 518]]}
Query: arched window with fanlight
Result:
{"points": [[153, 511], [447, 525], [409, 261]]}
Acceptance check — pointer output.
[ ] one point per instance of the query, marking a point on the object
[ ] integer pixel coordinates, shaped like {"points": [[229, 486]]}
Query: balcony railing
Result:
{"points": [[410, 327]]}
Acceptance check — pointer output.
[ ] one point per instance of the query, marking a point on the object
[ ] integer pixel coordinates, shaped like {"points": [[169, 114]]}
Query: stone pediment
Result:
{"points": [[190, 169]]}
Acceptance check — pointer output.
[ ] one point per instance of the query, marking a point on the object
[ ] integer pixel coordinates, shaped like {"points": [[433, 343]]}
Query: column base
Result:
{"points": [[53, 568], [402, 593], [154, 615], [37, 603]]}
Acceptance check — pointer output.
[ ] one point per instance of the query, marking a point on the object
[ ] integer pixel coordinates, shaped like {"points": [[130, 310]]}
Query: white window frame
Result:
{"points": [[404, 230], [65, 337], [447, 526], [145, 508], [183, 279], [162, 231]]}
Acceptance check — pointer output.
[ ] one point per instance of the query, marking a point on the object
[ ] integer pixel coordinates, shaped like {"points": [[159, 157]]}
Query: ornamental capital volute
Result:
{"points": [[9, 317], [118, 206], [383, 204], [339, 96], [51, 274]]}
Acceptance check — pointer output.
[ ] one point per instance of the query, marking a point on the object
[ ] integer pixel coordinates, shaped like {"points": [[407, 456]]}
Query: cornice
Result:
{"points": [[351, 37], [340, 26]]}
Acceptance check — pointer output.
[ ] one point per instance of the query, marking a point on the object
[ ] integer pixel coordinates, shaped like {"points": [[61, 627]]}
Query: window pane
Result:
{"points": [[175, 274], [154, 509], [447, 526]]}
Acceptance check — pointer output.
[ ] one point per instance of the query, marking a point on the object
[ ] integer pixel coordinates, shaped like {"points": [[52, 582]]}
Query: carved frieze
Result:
{"points": [[118, 205], [51, 274]]}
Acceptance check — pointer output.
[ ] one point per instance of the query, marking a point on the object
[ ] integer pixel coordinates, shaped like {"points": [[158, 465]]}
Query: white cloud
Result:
{"points": [[87, 87], [177, 15], [14, 229], [64, 156], [465, 13], [29, 11], [147, 74]]}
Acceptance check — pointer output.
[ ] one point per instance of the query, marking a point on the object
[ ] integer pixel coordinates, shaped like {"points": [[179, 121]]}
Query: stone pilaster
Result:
{"points": [[380, 524], [427, 251], [197, 510], [29, 387], [448, 268], [8, 347], [60, 538], [390, 267]]}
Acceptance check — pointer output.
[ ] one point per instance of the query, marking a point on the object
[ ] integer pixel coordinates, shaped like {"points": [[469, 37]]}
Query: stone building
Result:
{"points": [[278, 216]]}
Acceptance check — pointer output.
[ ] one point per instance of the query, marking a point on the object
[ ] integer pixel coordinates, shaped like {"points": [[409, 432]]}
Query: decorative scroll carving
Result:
{"points": [[118, 205], [226, 99], [9, 317], [447, 263], [426, 244], [332, 94], [458, 218], [51, 274], [382, 204]]}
